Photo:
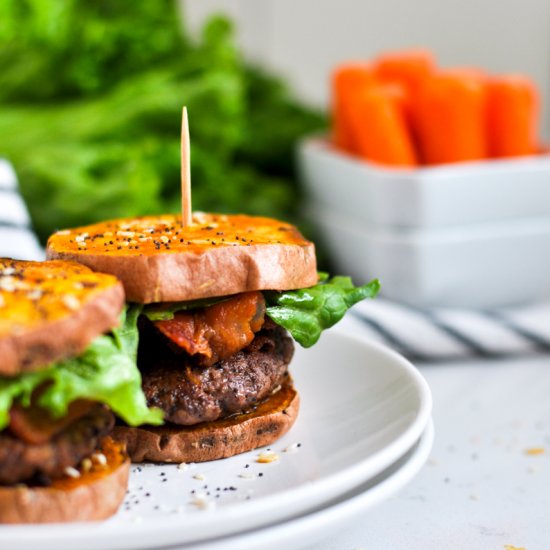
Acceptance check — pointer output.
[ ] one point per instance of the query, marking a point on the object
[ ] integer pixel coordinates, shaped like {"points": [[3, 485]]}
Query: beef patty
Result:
{"points": [[21, 462], [189, 394]]}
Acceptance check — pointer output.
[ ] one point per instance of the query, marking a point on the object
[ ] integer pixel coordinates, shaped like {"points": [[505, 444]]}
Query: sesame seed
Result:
{"points": [[534, 451], [72, 472], [8, 271], [11, 284], [71, 302], [246, 475], [267, 457], [199, 477], [35, 294], [100, 458], [183, 466], [86, 465], [125, 233], [63, 232], [202, 502], [164, 239]]}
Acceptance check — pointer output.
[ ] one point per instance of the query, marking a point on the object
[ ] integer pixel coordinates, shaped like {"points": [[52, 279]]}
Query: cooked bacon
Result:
{"points": [[218, 331], [35, 426]]}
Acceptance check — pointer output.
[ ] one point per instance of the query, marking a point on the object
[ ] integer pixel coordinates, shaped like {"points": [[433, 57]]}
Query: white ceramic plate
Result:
{"points": [[363, 407], [310, 528]]}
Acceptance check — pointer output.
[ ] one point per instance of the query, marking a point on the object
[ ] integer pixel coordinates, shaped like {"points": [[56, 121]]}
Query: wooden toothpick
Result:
{"points": [[185, 171]]}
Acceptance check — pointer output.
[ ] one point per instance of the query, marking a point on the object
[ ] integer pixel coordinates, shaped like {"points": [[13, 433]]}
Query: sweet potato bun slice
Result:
{"points": [[158, 260], [51, 311], [237, 434], [95, 495]]}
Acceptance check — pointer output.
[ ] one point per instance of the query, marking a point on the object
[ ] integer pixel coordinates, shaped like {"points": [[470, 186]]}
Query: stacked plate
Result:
{"points": [[363, 432], [455, 235]]}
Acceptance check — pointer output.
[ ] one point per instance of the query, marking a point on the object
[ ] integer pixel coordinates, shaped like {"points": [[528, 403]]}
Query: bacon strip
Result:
{"points": [[218, 331], [35, 426]]}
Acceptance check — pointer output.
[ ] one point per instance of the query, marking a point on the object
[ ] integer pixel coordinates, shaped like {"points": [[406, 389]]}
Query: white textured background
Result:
{"points": [[303, 39]]}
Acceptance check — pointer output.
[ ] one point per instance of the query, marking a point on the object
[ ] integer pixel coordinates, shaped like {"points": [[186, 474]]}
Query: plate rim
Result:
{"points": [[361, 498]]}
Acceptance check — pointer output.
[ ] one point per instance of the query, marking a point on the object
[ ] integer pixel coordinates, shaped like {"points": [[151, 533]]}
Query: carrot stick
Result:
{"points": [[347, 79], [407, 67], [449, 117], [379, 128], [513, 113]]}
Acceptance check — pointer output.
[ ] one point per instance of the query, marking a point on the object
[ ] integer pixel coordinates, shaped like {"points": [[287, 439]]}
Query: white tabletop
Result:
{"points": [[487, 482]]}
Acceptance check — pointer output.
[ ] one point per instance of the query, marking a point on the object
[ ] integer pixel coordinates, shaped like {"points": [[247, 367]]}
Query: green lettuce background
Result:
{"points": [[90, 110]]}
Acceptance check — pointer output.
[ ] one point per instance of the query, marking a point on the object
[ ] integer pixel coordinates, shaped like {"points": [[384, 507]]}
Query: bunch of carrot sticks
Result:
{"points": [[402, 110]]}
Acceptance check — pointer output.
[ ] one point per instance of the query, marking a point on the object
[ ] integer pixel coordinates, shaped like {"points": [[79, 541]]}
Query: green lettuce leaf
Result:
{"points": [[106, 372], [165, 311], [305, 313]]}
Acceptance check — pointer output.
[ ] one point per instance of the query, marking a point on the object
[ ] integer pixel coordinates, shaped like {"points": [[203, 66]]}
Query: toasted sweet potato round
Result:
{"points": [[158, 260], [213, 440], [95, 495], [51, 311]]}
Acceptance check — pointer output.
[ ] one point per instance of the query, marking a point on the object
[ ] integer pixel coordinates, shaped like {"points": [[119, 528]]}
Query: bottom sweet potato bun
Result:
{"points": [[94, 491], [269, 421]]}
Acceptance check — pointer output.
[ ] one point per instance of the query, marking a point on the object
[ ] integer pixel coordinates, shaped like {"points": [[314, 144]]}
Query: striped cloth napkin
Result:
{"points": [[441, 334], [17, 239], [420, 334]]}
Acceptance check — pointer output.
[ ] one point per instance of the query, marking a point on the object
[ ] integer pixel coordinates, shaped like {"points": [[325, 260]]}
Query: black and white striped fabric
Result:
{"points": [[441, 334], [17, 239], [419, 334]]}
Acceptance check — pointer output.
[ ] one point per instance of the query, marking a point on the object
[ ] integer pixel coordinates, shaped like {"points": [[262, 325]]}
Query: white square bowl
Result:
{"points": [[478, 266], [432, 197]]}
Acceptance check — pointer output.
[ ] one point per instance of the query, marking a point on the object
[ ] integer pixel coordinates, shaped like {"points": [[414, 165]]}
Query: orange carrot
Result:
{"points": [[468, 71], [449, 117], [512, 116], [401, 97], [379, 128], [408, 67], [347, 80]]}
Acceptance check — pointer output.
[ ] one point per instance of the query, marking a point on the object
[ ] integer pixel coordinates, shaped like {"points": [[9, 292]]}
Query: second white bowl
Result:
{"points": [[482, 266]]}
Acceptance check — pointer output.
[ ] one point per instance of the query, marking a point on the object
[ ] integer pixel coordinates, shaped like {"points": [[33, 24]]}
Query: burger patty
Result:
{"points": [[20, 461], [189, 394]]}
